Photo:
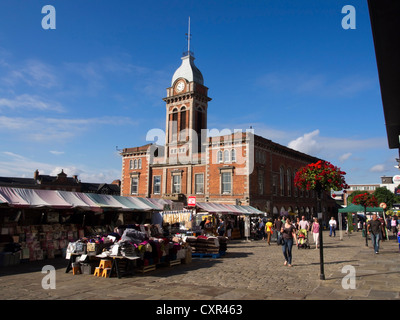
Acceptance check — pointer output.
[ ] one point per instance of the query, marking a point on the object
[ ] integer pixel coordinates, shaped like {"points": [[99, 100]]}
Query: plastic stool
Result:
{"points": [[106, 273], [76, 270], [105, 264], [97, 272]]}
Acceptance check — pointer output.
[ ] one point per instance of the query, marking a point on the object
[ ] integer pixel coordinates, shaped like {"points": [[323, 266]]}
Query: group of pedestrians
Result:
{"points": [[287, 233], [287, 230]]}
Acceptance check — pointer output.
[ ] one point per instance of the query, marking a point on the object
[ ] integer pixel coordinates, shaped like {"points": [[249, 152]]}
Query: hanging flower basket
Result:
{"points": [[319, 176], [366, 200]]}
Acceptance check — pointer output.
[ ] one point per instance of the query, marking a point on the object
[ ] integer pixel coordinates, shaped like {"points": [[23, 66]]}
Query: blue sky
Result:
{"points": [[70, 96]]}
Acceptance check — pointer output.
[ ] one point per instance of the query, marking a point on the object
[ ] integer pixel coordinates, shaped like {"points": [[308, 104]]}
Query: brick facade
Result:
{"points": [[232, 168]]}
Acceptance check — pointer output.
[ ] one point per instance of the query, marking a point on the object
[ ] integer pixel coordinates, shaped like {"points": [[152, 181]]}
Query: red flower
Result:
{"points": [[366, 200]]}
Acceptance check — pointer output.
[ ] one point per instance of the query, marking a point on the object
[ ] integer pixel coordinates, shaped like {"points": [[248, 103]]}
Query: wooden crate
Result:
{"points": [[145, 269]]}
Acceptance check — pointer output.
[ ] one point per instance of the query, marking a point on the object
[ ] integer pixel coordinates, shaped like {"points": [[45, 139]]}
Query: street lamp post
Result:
{"points": [[320, 176], [365, 224], [321, 252], [321, 240]]}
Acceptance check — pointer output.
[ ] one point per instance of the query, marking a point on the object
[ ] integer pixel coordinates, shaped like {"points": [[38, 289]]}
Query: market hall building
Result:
{"points": [[230, 168]]}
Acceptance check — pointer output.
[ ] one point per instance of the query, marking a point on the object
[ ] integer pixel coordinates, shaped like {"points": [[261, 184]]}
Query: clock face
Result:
{"points": [[180, 86]]}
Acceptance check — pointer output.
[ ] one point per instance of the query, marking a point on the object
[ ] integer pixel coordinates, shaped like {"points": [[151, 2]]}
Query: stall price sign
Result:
{"points": [[191, 201]]}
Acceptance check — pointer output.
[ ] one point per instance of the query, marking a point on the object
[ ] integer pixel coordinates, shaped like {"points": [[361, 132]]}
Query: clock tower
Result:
{"points": [[186, 112]]}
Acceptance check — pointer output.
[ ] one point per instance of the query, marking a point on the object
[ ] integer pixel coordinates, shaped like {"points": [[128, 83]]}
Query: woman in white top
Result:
{"points": [[332, 227]]}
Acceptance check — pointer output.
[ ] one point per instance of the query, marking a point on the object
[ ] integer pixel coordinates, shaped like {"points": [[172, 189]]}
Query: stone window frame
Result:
{"points": [[154, 184], [134, 175], [226, 170], [176, 173], [195, 183]]}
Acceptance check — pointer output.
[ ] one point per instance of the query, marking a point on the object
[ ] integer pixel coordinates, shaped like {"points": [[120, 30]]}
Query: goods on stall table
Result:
{"points": [[207, 245], [134, 243]]}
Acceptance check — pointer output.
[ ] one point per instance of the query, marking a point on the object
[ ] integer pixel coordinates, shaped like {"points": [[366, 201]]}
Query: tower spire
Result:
{"points": [[189, 36]]}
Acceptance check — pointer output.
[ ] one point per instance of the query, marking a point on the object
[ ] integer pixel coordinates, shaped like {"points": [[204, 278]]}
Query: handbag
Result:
{"points": [[280, 239]]}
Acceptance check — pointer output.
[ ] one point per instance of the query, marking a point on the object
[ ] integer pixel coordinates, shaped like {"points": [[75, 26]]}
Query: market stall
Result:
{"points": [[39, 224], [233, 216]]}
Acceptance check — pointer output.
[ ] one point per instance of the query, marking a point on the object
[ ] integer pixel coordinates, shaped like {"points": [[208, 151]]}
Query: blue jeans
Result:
{"points": [[375, 241], [287, 250], [332, 229]]}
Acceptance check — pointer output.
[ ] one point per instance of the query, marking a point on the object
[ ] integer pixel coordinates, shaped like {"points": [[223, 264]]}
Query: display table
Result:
{"points": [[119, 261], [71, 260]]}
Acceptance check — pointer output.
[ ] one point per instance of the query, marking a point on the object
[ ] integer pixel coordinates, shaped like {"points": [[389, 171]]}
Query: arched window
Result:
{"points": [[219, 156], [233, 155], [183, 119], [226, 156], [135, 164], [282, 180], [140, 164], [174, 125], [289, 182]]}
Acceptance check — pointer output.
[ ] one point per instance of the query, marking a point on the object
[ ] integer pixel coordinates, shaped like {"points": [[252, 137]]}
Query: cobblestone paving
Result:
{"points": [[250, 270]]}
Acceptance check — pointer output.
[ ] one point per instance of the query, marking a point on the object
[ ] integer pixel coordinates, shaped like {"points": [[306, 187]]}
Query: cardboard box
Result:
{"points": [[97, 248]]}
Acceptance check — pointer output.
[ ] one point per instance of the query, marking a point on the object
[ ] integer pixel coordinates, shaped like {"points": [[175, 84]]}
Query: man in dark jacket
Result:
{"points": [[375, 229]]}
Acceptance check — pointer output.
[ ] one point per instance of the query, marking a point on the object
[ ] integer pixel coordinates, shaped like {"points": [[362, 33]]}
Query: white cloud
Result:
{"points": [[320, 84], [35, 73], [345, 156], [49, 129], [14, 155], [57, 153], [378, 168], [15, 165], [26, 101], [307, 143]]}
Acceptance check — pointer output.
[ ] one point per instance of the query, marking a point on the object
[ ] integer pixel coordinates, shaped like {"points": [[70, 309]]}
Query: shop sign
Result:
{"points": [[192, 201], [396, 179]]}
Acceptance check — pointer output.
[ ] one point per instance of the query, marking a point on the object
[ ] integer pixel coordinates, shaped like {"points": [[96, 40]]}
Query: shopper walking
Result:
{"points": [[268, 230], [221, 228], [374, 229], [315, 232], [278, 226], [261, 229], [332, 227], [288, 234], [304, 224], [297, 224], [393, 225]]}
